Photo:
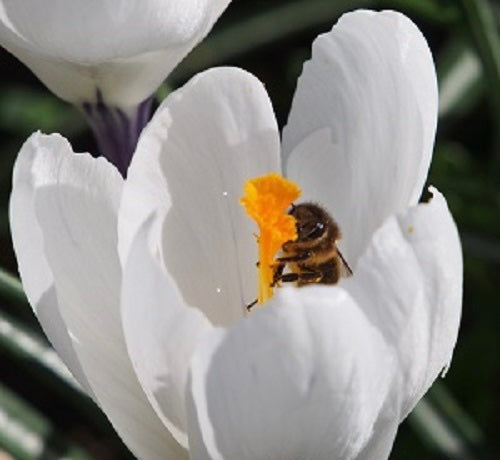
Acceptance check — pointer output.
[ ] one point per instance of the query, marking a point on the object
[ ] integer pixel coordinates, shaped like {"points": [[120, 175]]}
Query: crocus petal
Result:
{"points": [[409, 283], [75, 200], [76, 47], [384, 432], [191, 162], [361, 129], [35, 272], [161, 333], [304, 377]]}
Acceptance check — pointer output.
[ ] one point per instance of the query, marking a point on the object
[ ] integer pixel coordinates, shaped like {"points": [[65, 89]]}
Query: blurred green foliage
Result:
{"points": [[458, 418]]}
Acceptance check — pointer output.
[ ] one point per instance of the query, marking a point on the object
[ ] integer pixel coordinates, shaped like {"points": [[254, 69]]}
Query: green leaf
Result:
{"points": [[11, 288], [23, 110], [27, 347], [480, 18], [460, 75], [430, 10], [264, 28], [27, 434], [450, 409], [436, 433]]}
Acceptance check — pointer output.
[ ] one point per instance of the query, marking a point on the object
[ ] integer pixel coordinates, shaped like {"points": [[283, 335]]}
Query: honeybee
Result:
{"points": [[313, 257]]}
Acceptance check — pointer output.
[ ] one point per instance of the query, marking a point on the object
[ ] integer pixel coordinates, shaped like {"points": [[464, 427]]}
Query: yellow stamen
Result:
{"points": [[266, 200]]}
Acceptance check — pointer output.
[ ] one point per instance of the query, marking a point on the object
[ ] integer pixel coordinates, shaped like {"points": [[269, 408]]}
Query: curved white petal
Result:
{"points": [[361, 129], [92, 31], [35, 272], [161, 333], [380, 445], [75, 200], [191, 162], [409, 284], [303, 378], [123, 48]]}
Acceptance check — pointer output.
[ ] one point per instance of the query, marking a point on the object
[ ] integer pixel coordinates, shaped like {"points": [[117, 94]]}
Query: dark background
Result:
{"points": [[459, 417]]}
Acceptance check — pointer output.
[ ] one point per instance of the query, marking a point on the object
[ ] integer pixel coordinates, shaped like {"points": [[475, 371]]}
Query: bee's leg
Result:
{"points": [[301, 278], [278, 273], [288, 278], [296, 258], [309, 277], [280, 266], [250, 305]]}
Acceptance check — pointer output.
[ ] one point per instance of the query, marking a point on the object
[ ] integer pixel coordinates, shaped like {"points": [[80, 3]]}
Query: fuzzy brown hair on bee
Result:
{"points": [[313, 257]]}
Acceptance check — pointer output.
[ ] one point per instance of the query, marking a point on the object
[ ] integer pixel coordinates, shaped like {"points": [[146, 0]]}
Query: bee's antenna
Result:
{"points": [[293, 207]]}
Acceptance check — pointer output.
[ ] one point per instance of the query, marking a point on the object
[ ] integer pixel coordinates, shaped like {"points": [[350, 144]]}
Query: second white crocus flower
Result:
{"points": [[321, 372], [122, 49], [106, 56]]}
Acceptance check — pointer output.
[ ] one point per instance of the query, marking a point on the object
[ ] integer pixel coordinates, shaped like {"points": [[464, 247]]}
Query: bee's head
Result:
{"points": [[311, 221]]}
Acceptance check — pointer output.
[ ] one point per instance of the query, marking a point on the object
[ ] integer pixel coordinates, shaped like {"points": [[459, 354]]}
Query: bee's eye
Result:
{"points": [[318, 230], [310, 232]]}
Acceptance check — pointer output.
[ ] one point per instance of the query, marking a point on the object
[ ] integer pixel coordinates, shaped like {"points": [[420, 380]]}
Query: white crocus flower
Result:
{"points": [[124, 49], [320, 372], [106, 56]]}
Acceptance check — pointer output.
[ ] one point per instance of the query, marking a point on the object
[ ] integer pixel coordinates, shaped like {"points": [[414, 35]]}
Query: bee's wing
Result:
{"points": [[345, 270]]}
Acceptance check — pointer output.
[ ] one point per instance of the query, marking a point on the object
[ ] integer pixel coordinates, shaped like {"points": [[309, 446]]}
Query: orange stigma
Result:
{"points": [[266, 200]]}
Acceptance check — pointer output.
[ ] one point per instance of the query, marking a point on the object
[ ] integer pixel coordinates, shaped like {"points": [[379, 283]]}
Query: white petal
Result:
{"points": [[92, 31], [192, 160], [36, 275], [360, 134], [105, 43], [409, 283], [161, 334], [123, 83], [303, 378], [380, 445], [75, 201]]}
